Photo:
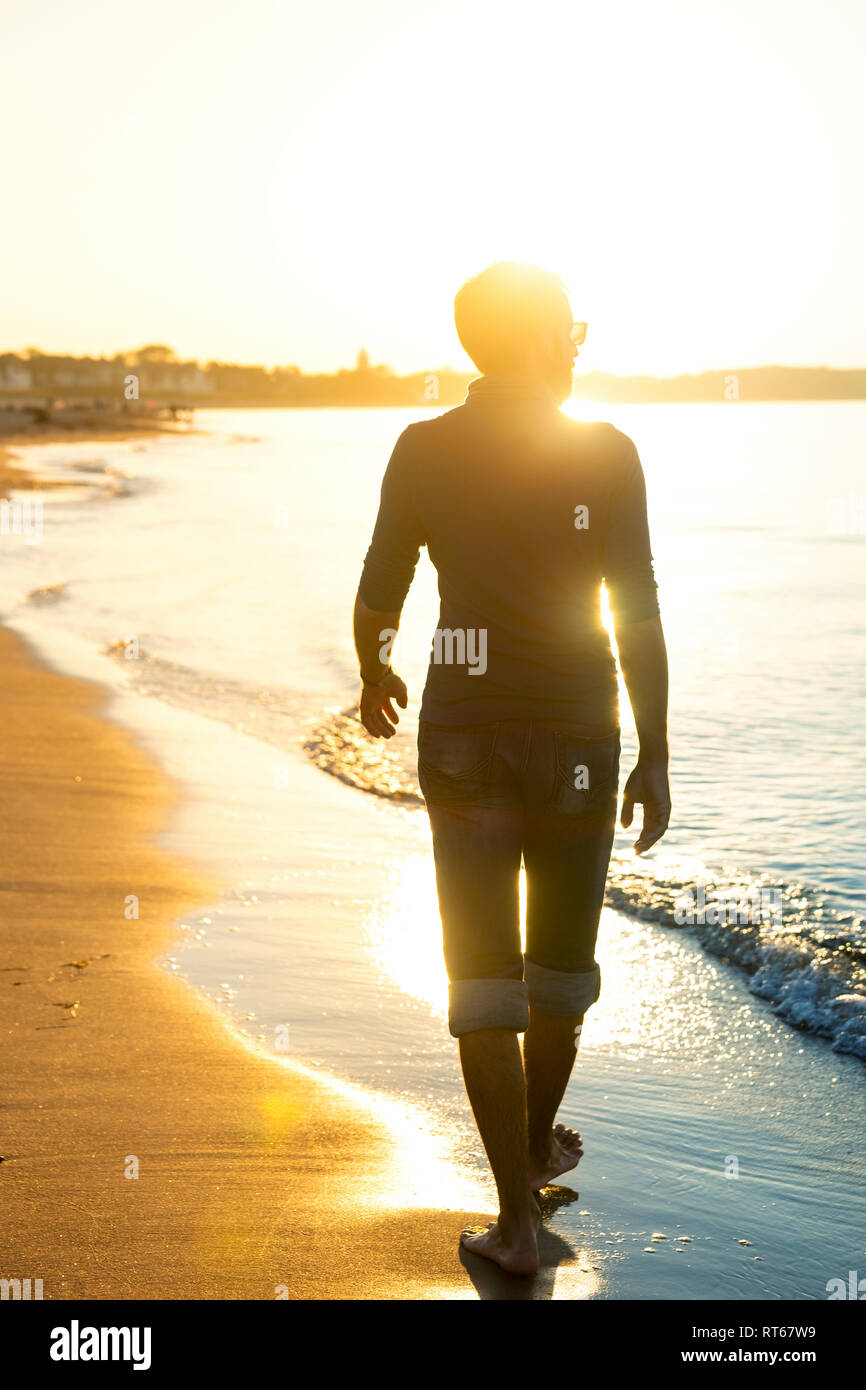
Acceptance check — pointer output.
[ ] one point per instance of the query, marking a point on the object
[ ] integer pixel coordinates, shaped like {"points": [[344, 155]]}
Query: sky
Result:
{"points": [[280, 182]]}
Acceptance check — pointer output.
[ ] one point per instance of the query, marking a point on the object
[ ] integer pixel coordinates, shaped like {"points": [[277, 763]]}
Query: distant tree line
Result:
{"points": [[154, 374]]}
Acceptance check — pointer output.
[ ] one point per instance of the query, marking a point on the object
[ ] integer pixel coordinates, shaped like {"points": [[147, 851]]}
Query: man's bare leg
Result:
{"points": [[549, 1052], [495, 1084]]}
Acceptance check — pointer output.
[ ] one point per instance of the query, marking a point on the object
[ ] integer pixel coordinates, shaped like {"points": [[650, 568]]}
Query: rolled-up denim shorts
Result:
{"points": [[540, 791]]}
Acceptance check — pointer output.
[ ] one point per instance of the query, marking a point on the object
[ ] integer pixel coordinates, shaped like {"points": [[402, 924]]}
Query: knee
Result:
{"points": [[563, 993]]}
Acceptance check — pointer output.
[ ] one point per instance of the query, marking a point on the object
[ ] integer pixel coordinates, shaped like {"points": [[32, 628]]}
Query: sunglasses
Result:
{"points": [[577, 333]]}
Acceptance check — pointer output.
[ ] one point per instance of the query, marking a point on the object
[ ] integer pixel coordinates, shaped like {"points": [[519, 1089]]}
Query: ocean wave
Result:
{"points": [[335, 741], [96, 478], [339, 745], [271, 713], [804, 954], [50, 593]]}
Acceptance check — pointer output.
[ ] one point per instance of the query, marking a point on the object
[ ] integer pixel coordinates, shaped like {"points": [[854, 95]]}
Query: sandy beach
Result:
{"points": [[251, 1179]]}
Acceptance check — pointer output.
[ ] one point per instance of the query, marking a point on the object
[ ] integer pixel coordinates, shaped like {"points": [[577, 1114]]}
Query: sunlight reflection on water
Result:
{"points": [[672, 1017]]}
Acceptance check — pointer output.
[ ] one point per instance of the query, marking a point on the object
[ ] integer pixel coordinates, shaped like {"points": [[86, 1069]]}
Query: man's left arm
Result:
{"points": [[631, 586]]}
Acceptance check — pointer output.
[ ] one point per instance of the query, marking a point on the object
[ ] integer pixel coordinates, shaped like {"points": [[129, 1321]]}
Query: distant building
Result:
{"points": [[14, 376], [179, 378]]}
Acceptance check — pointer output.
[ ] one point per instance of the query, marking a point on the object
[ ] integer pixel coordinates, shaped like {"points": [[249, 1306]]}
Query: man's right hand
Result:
{"points": [[648, 784], [376, 706]]}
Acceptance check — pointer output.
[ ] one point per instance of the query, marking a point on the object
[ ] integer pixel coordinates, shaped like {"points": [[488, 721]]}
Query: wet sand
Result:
{"points": [[14, 478], [252, 1178]]}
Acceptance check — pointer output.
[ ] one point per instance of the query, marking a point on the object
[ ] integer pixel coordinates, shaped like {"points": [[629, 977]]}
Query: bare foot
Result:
{"points": [[566, 1151], [516, 1255]]}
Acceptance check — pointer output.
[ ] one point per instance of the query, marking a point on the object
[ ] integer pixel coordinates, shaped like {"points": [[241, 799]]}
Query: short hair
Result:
{"points": [[496, 311]]}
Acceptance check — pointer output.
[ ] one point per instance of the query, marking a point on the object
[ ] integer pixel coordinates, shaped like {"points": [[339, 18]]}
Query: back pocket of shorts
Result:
{"points": [[454, 760], [587, 773]]}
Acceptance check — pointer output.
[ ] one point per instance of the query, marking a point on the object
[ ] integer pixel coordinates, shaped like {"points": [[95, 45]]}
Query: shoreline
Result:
{"points": [[17, 475], [252, 1177]]}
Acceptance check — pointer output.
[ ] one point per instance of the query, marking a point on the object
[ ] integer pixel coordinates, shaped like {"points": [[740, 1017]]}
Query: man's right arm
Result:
{"points": [[388, 569]]}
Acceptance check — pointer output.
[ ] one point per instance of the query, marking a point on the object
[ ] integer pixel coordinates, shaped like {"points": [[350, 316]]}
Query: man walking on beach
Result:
{"points": [[524, 512]]}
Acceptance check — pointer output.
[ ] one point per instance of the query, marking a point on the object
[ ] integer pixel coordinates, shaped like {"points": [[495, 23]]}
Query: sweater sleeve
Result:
{"points": [[390, 562], [628, 561]]}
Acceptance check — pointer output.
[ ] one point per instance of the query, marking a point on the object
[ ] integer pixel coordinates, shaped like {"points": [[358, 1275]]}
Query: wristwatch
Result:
{"points": [[386, 672]]}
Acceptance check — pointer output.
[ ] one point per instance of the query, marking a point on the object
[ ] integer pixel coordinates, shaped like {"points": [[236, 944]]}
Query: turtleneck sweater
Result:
{"points": [[524, 512]]}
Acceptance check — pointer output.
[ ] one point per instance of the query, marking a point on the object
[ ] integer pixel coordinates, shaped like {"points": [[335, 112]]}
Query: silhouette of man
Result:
{"points": [[524, 512]]}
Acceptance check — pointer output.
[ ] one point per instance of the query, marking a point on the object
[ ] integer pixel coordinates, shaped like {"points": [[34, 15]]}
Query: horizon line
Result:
{"points": [[373, 367]]}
